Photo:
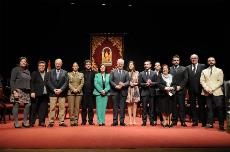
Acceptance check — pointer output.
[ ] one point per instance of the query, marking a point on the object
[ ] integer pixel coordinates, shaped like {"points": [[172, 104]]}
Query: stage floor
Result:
{"points": [[108, 137]]}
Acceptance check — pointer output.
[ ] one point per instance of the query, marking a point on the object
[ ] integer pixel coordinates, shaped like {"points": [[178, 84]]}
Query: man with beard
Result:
{"points": [[212, 80]]}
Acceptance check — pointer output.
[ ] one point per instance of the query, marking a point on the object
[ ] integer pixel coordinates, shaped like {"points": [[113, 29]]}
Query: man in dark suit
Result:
{"points": [[88, 98], [39, 97], [179, 77], [57, 84], [197, 101], [148, 81], [119, 81]]}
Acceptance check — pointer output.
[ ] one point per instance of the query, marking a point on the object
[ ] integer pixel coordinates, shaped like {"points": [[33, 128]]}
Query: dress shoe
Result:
{"points": [[83, 123], [122, 124], [195, 124], [162, 123], [100, 124], [183, 124], [153, 123], [143, 124], [221, 128], [62, 125], [25, 126], [72, 125], [42, 125], [91, 124], [170, 125], [17, 126], [114, 124], [31, 125], [209, 126], [103, 124], [174, 123], [51, 125], [203, 125]]}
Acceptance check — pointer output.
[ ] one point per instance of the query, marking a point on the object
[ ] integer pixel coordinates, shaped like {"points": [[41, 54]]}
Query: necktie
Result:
{"points": [[211, 71], [175, 67], [194, 68], [147, 73], [119, 73]]}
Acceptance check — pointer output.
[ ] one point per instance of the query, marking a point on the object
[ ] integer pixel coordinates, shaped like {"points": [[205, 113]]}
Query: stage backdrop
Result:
{"points": [[106, 49]]}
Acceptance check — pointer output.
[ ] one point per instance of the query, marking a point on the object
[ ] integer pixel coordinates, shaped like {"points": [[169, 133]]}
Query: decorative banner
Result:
{"points": [[106, 49]]}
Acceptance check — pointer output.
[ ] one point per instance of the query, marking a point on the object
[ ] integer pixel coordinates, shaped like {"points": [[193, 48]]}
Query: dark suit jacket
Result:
{"points": [[60, 83], [115, 79], [37, 83], [179, 77], [85, 89], [148, 90], [193, 84], [20, 79]]}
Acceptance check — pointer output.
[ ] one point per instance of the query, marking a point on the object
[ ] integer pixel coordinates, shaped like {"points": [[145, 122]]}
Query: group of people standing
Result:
{"points": [[161, 92]]}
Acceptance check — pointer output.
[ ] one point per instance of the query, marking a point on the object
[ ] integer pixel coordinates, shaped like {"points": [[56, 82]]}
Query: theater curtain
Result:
{"points": [[106, 49]]}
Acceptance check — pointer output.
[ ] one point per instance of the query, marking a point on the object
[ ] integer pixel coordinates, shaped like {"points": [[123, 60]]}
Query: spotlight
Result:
{"points": [[130, 5], [72, 3], [103, 4]]}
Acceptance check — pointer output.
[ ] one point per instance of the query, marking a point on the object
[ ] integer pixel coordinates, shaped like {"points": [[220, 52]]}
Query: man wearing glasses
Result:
{"points": [[197, 101]]}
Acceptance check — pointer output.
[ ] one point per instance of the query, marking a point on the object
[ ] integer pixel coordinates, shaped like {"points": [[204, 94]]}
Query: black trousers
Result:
{"points": [[118, 107], [215, 102], [148, 108], [39, 107], [198, 113], [87, 108], [178, 107], [157, 111]]}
